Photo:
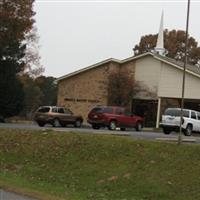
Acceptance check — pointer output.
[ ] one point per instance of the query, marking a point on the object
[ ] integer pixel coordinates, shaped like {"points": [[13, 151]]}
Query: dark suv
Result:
{"points": [[112, 117], [56, 116]]}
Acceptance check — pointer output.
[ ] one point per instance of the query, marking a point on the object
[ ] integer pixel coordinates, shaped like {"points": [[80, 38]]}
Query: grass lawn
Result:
{"points": [[97, 167]]}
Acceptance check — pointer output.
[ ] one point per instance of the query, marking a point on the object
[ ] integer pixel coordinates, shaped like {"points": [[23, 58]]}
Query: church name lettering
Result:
{"points": [[82, 100]]}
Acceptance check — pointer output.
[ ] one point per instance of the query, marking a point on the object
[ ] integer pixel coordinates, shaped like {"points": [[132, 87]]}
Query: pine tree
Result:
{"points": [[16, 22]]}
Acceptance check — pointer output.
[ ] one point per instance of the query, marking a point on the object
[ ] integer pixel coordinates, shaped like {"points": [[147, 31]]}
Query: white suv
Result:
{"points": [[171, 121]]}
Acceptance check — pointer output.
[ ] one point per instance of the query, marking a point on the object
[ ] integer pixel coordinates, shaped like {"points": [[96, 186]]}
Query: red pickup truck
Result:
{"points": [[113, 117]]}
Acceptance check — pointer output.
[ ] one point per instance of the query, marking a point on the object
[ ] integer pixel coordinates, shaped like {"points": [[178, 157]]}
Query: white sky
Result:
{"points": [[76, 34]]}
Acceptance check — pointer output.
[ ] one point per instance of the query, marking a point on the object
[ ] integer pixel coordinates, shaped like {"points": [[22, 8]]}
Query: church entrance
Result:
{"points": [[147, 109]]}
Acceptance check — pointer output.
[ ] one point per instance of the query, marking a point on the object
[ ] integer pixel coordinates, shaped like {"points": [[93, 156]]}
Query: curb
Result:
{"points": [[191, 140]]}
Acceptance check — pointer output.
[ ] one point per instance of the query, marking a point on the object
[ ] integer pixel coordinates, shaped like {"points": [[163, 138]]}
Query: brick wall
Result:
{"points": [[85, 90]]}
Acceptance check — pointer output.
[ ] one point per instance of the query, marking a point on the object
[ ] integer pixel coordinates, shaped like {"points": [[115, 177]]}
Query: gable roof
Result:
{"points": [[191, 69], [88, 68]]}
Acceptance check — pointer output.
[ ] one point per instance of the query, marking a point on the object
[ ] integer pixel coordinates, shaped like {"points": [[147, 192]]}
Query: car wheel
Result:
{"points": [[166, 131], [56, 123], [41, 124], [138, 126], [78, 123], [112, 125], [2, 120], [123, 129], [188, 130], [63, 124], [95, 127]]}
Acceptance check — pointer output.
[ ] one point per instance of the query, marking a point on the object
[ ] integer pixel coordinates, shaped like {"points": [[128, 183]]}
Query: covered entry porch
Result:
{"points": [[152, 109]]}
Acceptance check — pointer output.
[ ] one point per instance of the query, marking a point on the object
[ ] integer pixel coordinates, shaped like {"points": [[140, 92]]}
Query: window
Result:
{"points": [[185, 113], [128, 113], [177, 112], [102, 110], [119, 111], [173, 112], [54, 110], [97, 110], [60, 110], [198, 116], [67, 111], [108, 110], [44, 110], [193, 115]]}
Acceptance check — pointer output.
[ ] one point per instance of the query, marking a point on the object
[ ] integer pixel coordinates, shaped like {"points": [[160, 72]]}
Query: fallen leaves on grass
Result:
{"points": [[152, 161], [127, 175], [112, 178], [100, 181], [169, 182]]}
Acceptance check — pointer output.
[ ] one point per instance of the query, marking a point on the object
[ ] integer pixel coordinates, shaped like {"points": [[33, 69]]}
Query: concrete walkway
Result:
{"points": [[4, 195]]}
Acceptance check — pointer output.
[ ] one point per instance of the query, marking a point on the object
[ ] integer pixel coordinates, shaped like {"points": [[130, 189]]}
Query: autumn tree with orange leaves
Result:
{"points": [[174, 43]]}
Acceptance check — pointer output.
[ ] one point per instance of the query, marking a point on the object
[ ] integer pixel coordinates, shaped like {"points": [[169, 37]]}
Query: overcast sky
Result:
{"points": [[76, 34]]}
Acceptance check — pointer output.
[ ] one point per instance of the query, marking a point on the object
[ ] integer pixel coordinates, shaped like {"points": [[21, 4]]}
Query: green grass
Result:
{"points": [[98, 167]]}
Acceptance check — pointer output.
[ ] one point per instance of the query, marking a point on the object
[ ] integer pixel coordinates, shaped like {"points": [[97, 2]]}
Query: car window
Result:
{"points": [[119, 111], [173, 112], [54, 110], [44, 110], [176, 113], [97, 110], [68, 111], [108, 110], [60, 110], [185, 113], [128, 113], [193, 115], [198, 116]]}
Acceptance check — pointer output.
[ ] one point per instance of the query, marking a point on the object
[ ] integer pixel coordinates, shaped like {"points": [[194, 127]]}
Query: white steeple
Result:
{"points": [[160, 40]]}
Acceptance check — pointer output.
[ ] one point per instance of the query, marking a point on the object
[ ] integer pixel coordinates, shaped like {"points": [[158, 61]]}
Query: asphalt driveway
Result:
{"points": [[146, 134], [4, 195]]}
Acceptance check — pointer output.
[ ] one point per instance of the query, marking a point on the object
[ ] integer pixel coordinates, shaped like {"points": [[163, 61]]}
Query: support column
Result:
{"points": [[158, 113]]}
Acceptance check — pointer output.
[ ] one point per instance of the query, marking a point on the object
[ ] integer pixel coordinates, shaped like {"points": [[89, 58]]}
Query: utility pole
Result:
{"points": [[184, 69]]}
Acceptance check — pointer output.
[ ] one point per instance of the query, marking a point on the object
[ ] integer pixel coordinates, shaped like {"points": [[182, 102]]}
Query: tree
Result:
{"points": [[120, 88], [16, 22], [32, 59], [37, 91], [174, 43], [32, 96], [48, 88], [11, 93]]}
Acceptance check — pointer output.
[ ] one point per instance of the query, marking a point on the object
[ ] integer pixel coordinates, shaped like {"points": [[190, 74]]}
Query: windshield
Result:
{"points": [[102, 110], [177, 112], [97, 110], [44, 109]]}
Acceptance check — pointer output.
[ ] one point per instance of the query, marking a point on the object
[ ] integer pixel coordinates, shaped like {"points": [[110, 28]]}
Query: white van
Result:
{"points": [[171, 121]]}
